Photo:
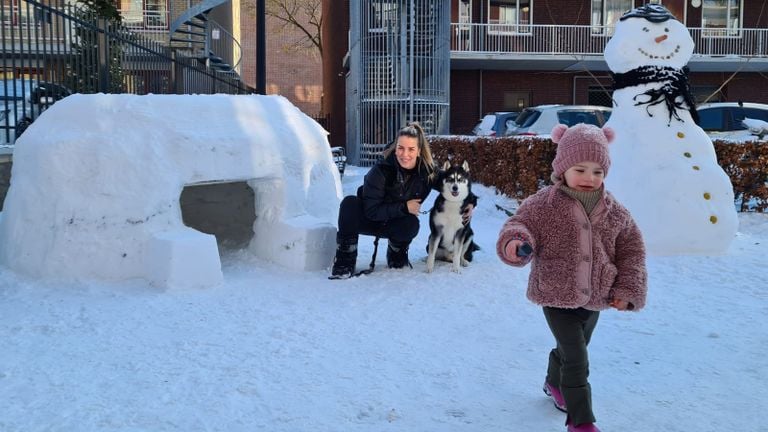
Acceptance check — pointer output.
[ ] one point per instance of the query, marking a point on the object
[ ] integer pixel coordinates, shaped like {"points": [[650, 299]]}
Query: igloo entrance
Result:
{"points": [[223, 209]]}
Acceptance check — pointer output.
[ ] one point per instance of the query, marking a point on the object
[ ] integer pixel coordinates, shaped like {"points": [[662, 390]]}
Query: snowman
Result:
{"points": [[663, 166]]}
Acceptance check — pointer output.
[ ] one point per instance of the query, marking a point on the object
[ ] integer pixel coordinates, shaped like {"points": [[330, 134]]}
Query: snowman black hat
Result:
{"points": [[654, 13]]}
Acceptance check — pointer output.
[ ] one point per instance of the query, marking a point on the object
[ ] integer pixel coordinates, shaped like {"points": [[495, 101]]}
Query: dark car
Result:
{"points": [[725, 120], [22, 101]]}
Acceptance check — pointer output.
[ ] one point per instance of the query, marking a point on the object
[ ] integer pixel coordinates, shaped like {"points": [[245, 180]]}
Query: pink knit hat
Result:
{"points": [[581, 143]]}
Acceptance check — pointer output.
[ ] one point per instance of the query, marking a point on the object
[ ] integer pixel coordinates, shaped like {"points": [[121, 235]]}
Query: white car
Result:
{"points": [[734, 121], [540, 120]]}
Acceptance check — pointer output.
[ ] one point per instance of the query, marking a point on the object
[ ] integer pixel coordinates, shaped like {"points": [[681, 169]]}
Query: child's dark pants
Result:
{"points": [[569, 363]]}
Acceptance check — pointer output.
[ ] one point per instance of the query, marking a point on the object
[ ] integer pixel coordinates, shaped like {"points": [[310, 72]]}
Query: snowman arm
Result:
{"points": [[631, 282]]}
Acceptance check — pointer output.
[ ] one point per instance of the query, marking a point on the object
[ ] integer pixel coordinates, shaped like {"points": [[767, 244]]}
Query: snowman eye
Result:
{"points": [[666, 30], [645, 29]]}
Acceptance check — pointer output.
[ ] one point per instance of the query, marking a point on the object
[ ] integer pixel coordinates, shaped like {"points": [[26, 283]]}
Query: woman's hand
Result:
{"points": [[414, 206], [467, 215]]}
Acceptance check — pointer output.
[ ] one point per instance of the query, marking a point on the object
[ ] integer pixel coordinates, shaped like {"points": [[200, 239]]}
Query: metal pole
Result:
{"points": [[261, 47]]}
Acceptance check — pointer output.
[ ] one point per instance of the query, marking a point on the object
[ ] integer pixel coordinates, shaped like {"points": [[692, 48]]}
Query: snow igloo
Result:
{"points": [[116, 187]]}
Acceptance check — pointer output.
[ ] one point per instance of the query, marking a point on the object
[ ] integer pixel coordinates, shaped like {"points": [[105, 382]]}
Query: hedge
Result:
{"points": [[518, 167]]}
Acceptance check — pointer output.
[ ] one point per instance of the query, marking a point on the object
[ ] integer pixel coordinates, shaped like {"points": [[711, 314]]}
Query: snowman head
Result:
{"points": [[648, 36]]}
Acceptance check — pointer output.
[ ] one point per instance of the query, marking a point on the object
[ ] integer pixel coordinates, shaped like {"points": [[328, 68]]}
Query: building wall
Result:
{"points": [[475, 93], [297, 75]]}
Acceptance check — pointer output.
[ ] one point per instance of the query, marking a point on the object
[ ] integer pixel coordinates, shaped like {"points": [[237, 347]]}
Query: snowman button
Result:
{"points": [[707, 195], [713, 219], [680, 135], [696, 168], [687, 154]]}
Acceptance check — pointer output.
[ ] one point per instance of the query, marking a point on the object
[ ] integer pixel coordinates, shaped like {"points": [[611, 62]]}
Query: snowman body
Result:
{"points": [[663, 166]]}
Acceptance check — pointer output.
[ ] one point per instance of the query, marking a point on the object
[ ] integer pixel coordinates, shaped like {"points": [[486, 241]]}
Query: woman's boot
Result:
{"points": [[346, 258], [397, 255]]}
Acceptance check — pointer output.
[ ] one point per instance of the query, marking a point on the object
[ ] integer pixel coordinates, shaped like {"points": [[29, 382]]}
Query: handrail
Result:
{"points": [[200, 8], [221, 45], [541, 39]]}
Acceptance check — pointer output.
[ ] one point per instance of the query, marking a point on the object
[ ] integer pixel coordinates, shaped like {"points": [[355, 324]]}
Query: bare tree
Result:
{"points": [[302, 15]]}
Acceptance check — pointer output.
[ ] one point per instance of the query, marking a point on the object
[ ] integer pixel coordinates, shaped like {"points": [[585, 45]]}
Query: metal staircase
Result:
{"points": [[203, 38]]}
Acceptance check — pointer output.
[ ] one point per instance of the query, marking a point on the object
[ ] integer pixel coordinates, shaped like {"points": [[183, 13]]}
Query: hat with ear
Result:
{"points": [[581, 143]]}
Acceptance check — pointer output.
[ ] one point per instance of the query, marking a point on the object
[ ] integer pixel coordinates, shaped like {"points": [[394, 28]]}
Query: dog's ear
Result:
{"points": [[465, 166], [446, 165]]}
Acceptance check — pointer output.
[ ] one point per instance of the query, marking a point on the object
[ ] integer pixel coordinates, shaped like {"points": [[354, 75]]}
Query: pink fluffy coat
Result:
{"points": [[578, 260]]}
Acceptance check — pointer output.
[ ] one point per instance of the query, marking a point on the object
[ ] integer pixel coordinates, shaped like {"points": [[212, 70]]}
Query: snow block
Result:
{"points": [[183, 259], [299, 244]]}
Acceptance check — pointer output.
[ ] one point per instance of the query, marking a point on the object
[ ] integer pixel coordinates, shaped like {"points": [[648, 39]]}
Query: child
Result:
{"points": [[587, 255]]}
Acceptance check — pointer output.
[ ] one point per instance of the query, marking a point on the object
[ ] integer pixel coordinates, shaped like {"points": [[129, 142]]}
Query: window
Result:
{"points": [[144, 14], [465, 11], [570, 118], [606, 13], [712, 119], [602, 96], [516, 101], [721, 18], [512, 16], [383, 16], [706, 93]]}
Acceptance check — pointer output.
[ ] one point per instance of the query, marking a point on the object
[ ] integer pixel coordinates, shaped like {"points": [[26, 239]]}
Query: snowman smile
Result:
{"points": [[653, 56]]}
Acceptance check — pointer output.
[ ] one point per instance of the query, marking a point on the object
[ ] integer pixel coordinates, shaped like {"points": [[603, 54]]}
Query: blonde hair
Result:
{"points": [[414, 130]]}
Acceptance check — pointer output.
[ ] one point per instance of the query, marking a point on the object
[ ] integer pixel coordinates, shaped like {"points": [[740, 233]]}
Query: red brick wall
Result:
{"points": [[296, 75], [465, 98]]}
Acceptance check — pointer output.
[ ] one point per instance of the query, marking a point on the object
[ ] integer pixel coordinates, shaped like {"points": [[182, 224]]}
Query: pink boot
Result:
{"points": [[557, 397], [584, 427]]}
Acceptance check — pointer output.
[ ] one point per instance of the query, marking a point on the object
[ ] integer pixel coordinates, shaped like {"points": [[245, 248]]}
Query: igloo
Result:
{"points": [[97, 182]]}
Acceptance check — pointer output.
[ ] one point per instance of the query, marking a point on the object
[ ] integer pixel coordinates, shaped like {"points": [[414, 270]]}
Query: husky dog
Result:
{"points": [[449, 238]]}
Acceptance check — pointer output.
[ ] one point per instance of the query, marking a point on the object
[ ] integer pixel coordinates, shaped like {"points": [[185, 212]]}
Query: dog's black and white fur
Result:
{"points": [[450, 239]]}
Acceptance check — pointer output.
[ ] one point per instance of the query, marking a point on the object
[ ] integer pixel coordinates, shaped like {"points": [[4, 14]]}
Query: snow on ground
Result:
{"points": [[398, 350]]}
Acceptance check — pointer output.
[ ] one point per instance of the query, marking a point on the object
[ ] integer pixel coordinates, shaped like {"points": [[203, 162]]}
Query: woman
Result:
{"points": [[388, 203]]}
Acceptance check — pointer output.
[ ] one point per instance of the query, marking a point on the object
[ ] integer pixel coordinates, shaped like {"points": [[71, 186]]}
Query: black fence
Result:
{"points": [[53, 49]]}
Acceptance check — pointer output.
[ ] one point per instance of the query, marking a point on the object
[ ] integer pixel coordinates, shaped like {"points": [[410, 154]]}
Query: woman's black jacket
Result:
{"points": [[387, 187]]}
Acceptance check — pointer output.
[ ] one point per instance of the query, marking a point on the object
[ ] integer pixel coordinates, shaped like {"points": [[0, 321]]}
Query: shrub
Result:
{"points": [[518, 167]]}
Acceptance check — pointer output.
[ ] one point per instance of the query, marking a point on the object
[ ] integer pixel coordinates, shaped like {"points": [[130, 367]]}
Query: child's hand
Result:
{"points": [[510, 250], [621, 305]]}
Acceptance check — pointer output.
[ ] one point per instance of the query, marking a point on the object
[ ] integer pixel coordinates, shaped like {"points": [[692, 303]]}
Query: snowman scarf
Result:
{"points": [[674, 85]]}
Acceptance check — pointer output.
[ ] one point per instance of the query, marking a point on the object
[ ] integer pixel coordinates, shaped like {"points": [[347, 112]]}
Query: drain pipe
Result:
{"points": [[261, 47], [480, 93]]}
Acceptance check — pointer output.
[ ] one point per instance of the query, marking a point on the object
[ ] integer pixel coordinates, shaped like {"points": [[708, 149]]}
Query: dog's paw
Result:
{"points": [[430, 268], [456, 269], [464, 263]]}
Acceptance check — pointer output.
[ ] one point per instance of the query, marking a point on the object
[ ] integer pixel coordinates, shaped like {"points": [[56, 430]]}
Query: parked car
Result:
{"points": [[22, 101], [495, 124], [540, 120], [734, 120]]}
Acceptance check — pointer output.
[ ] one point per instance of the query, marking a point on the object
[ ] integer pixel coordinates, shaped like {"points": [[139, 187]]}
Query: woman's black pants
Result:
{"points": [[352, 222]]}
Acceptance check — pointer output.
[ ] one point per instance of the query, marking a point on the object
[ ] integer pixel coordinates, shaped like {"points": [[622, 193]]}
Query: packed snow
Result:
{"points": [[100, 198], [398, 350], [664, 167]]}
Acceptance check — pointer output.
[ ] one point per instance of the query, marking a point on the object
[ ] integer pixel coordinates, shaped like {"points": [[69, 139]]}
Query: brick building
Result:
{"points": [[510, 54]]}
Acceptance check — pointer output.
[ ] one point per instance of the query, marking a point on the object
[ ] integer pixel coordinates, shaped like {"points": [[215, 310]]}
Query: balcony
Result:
{"points": [[574, 48], [50, 31]]}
